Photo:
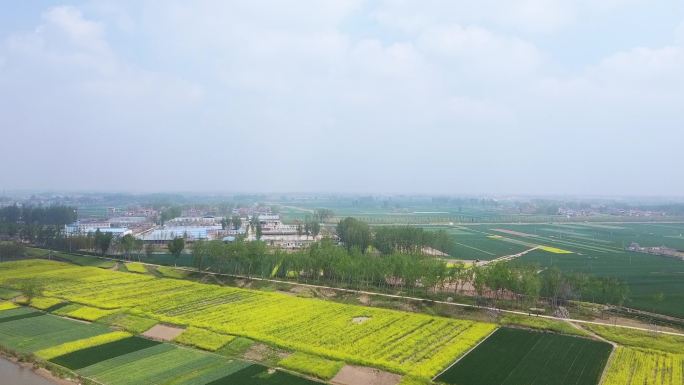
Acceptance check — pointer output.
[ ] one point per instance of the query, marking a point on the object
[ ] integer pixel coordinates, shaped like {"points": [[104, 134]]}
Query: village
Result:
{"points": [[246, 223]]}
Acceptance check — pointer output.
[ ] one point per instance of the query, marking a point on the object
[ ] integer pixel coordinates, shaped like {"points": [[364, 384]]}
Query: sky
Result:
{"points": [[448, 97]]}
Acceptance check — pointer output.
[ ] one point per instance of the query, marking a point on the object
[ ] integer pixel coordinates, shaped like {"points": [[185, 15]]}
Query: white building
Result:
{"points": [[189, 233], [85, 228]]}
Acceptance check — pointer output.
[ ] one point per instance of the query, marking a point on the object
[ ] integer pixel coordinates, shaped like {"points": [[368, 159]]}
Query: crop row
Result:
{"points": [[514, 356], [28, 331]]}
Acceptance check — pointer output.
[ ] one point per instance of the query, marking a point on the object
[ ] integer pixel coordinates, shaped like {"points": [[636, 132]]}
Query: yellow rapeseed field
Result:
{"points": [[554, 250], [43, 303], [401, 342], [203, 339], [631, 366], [6, 305]]}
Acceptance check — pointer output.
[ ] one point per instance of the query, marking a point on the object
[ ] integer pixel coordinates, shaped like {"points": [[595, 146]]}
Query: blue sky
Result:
{"points": [[518, 96]]}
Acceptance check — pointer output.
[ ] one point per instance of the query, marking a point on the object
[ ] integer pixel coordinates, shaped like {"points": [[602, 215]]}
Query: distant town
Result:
{"points": [[248, 223]]}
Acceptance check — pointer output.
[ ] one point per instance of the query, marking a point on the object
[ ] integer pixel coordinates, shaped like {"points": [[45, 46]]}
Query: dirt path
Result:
{"points": [[591, 333], [507, 257], [361, 375]]}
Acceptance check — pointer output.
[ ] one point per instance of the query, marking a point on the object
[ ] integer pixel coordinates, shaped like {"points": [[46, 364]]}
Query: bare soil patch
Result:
{"points": [[262, 353], [163, 332], [361, 375], [327, 293], [360, 320], [365, 299], [303, 291]]}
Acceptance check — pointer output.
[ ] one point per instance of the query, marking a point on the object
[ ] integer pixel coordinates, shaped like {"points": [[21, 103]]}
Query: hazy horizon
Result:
{"points": [[537, 98]]}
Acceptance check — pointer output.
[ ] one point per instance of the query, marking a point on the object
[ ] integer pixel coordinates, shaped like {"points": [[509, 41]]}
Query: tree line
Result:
{"points": [[35, 224], [327, 263], [358, 235]]}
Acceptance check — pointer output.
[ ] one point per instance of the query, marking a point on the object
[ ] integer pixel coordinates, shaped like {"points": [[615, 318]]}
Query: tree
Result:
{"points": [[29, 287], [176, 247], [11, 250], [313, 227], [552, 280], [258, 231], [170, 213], [322, 214], [139, 244], [149, 250], [200, 252], [127, 244], [237, 222], [354, 234], [102, 241]]}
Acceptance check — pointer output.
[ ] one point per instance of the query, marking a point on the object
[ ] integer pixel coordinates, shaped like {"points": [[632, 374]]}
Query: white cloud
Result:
{"points": [[458, 84], [526, 15], [481, 51], [82, 33], [679, 33], [67, 64]]}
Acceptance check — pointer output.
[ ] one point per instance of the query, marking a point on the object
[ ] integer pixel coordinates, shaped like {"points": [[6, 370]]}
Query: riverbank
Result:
{"points": [[15, 372]]}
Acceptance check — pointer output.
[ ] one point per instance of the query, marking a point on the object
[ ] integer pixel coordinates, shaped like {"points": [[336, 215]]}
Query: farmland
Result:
{"points": [[316, 338], [597, 249], [312, 365], [396, 341], [29, 331], [117, 358], [412, 210], [643, 357], [524, 357], [645, 367]]}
